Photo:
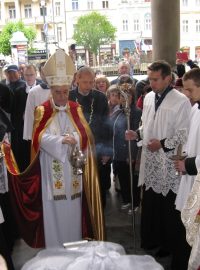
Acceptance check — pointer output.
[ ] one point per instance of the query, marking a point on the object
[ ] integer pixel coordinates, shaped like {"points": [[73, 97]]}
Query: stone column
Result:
{"points": [[165, 29], [17, 8], [2, 7]]}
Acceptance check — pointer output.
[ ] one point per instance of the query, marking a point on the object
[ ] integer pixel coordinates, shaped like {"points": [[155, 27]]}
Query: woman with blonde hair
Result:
{"points": [[102, 83]]}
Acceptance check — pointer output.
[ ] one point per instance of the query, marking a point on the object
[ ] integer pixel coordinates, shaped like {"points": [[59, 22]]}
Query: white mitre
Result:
{"points": [[59, 69]]}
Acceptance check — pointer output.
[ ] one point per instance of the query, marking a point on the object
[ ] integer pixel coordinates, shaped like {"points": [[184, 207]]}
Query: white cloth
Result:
{"points": [[29, 87], [3, 172], [62, 218], [1, 216], [3, 177], [92, 255], [197, 161], [36, 96], [3, 180], [192, 149], [192, 225], [171, 121], [3, 265]]}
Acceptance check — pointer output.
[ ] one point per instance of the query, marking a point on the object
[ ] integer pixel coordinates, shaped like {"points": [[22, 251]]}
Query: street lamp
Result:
{"points": [[45, 26]]}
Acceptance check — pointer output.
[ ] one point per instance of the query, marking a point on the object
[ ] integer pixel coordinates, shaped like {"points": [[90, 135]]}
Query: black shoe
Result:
{"points": [[161, 253]]}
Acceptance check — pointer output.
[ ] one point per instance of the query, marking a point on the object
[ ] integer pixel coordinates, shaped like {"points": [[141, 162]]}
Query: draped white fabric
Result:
{"points": [[92, 255], [192, 225], [1, 216], [192, 149]]}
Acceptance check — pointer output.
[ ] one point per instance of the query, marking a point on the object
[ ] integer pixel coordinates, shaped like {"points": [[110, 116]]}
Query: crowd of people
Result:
{"points": [[65, 133]]}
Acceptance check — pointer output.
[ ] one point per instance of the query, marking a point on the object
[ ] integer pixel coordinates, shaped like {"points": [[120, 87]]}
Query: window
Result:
{"points": [[125, 25], [135, 25], [197, 2], [12, 12], [198, 26], [185, 3], [104, 4], [185, 26], [74, 4], [57, 8], [90, 4], [147, 22], [27, 11], [43, 10], [59, 33]]}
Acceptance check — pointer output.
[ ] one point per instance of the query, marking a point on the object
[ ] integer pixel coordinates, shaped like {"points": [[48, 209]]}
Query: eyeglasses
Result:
{"points": [[29, 75]]}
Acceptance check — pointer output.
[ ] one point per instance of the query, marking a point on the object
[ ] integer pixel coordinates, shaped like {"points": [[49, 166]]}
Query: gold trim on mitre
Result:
{"points": [[59, 69]]}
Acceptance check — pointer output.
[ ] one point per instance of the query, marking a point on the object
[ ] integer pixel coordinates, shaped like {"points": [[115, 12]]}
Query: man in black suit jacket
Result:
{"points": [[95, 109], [20, 147]]}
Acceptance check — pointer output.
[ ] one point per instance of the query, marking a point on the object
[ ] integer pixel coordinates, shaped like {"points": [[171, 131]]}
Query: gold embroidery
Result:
{"points": [[75, 184], [58, 184], [58, 180]]}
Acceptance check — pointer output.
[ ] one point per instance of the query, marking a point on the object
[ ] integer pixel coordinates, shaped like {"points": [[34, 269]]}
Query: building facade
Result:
{"points": [[54, 21], [190, 28], [46, 16]]}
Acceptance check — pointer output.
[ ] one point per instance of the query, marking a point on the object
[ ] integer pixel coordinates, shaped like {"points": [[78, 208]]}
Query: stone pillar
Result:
{"points": [[17, 8], [2, 7], [165, 29]]}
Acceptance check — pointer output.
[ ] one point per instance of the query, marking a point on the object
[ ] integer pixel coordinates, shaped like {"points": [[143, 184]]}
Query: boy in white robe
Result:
{"points": [[188, 167], [188, 198]]}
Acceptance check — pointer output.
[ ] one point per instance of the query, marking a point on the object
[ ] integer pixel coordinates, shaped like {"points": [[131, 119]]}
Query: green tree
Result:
{"points": [[92, 31], [9, 29]]}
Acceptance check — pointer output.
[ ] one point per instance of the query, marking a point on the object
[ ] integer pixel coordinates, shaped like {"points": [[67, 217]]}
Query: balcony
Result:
{"points": [[34, 1], [28, 21], [15, 20], [40, 19]]}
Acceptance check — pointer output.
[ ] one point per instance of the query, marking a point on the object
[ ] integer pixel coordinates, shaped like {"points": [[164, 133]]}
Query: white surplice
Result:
{"points": [[62, 218], [192, 149], [192, 222], [1, 216], [170, 122], [36, 96]]}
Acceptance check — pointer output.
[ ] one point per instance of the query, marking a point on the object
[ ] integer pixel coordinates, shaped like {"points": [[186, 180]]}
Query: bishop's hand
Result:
{"points": [[69, 139]]}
